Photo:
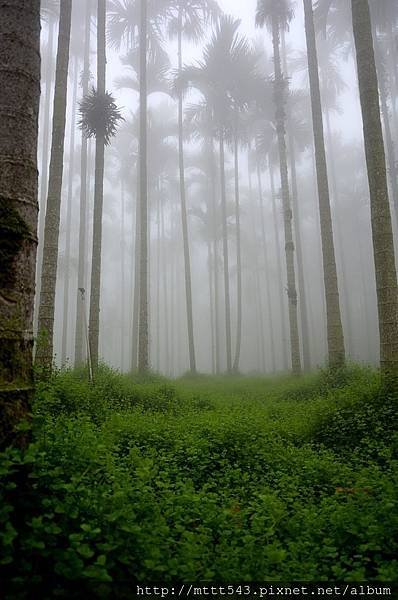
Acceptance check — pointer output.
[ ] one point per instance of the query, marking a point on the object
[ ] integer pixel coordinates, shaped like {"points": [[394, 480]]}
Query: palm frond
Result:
{"points": [[99, 115]]}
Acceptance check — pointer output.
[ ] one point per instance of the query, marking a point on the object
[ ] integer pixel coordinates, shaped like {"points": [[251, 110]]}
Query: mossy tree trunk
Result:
{"points": [[383, 247], [279, 87], [19, 109], [335, 339], [44, 352], [95, 290]]}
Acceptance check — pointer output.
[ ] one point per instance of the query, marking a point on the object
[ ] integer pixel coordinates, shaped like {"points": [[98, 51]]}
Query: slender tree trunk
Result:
{"points": [[279, 264], [158, 282], [305, 338], [19, 110], [136, 282], [214, 217], [44, 161], [95, 291], [44, 353], [65, 307], [238, 256], [81, 272], [266, 263], [287, 211], [143, 334], [123, 273], [336, 352], [383, 246], [225, 255], [184, 217], [392, 164], [165, 294]]}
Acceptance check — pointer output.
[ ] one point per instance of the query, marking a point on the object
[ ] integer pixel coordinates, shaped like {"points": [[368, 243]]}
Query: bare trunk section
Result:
{"points": [[95, 289], [287, 211], [19, 110], [238, 256], [225, 255], [383, 246], [184, 218], [143, 333], [81, 272], [336, 352], [65, 307], [44, 352]]}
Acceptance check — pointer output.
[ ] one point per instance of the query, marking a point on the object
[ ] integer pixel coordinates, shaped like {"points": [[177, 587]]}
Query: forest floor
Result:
{"points": [[204, 479]]}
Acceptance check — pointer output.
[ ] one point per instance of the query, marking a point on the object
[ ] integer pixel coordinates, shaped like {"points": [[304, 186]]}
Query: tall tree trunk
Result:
{"points": [[143, 333], [19, 110], [266, 264], [165, 294], [71, 169], [95, 290], [238, 255], [278, 262], [81, 272], [184, 217], [383, 246], [336, 352], [136, 281], [214, 217], [44, 161], [287, 211], [122, 273], [389, 145], [225, 254], [303, 309], [44, 352]]}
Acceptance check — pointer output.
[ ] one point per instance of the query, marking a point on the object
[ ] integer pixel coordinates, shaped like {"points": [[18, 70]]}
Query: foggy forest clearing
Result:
{"points": [[206, 479]]}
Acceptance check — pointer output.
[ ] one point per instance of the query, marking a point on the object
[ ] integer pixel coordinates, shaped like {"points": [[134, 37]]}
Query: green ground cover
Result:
{"points": [[205, 478]]}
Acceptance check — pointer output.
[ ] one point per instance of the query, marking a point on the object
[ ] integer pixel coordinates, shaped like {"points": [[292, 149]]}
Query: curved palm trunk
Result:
{"points": [[336, 352], [225, 255], [81, 272], [184, 218], [238, 256], [143, 332], [383, 246], [95, 290], [65, 308], [19, 110], [44, 352], [287, 211]]}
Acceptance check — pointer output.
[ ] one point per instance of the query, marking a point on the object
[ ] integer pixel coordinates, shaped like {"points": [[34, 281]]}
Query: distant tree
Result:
{"points": [[99, 119], [386, 276], [277, 14], [44, 351], [19, 108], [335, 337]]}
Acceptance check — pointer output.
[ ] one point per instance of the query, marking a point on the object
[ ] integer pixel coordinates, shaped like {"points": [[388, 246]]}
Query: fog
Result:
{"points": [[258, 230]]}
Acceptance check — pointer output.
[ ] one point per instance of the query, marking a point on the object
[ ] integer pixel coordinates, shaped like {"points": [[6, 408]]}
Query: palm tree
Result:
{"points": [[81, 273], [189, 21], [19, 109], [334, 327], [383, 246], [44, 351], [99, 119], [277, 14]]}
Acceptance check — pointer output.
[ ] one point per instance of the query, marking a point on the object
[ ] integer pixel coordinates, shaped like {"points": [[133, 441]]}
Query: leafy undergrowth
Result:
{"points": [[205, 478]]}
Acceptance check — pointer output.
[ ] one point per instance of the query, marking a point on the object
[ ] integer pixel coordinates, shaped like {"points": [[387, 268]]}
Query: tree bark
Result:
{"points": [[95, 290], [287, 211], [383, 247], [44, 352], [19, 110], [143, 332], [81, 273], [336, 352]]}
